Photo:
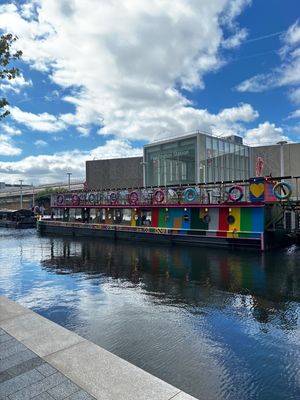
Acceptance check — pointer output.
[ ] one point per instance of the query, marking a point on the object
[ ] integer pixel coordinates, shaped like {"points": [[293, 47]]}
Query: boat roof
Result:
{"points": [[20, 210]]}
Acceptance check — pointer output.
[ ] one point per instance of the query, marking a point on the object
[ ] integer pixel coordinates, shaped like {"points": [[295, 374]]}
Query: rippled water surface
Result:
{"points": [[217, 324]]}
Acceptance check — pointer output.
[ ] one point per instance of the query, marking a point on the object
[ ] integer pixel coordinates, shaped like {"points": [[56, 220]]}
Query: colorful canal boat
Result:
{"points": [[241, 214]]}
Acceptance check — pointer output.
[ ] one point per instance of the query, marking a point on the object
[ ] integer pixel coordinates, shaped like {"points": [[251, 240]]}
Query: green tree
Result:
{"points": [[6, 70]]}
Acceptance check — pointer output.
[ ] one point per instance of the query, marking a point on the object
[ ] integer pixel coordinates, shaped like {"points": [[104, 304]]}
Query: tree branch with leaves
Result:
{"points": [[7, 56]]}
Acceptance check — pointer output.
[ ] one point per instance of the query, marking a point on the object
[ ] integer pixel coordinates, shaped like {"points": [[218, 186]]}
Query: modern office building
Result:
{"points": [[198, 157]]}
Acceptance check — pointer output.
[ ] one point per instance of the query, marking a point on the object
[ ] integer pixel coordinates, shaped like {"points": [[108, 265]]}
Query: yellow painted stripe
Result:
{"points": [[236, 226], [133, 220]]}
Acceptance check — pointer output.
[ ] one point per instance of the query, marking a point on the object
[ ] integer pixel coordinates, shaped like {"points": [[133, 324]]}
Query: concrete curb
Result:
{"points": [[97, 371]]}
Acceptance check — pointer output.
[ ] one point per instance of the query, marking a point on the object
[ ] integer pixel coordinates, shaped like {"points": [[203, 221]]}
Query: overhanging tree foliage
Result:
{"points": [[46, 193], [6, 70]]}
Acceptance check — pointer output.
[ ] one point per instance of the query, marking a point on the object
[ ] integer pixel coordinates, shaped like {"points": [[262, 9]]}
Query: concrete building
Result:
{"points": [[278, 160], [114, 173], [282, 159]]}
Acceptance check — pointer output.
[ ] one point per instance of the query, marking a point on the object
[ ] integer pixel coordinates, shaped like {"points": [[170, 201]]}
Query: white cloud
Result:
{"points": [[53, 168], [156, 123], [39, 122], [10, 130], [134, 55], [232, 10], [84, 132], [295, 114], [286, 74], [294, 95], [235, 40], [7, 147], [265, 134], [40, 143], [115, 149], [244, 112], [257, 83], [291, 38], [28, 10], [15, 85]]}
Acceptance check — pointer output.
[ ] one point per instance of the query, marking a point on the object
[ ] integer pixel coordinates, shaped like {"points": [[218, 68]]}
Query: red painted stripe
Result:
{"points": [[154, 221], [223, 224]]}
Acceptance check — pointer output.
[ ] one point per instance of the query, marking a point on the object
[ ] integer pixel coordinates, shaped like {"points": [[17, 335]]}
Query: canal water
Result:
{"points": [[216, 323]]}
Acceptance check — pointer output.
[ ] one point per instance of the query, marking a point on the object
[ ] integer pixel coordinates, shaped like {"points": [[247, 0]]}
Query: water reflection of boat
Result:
{"points": [[239, 273], [256, 284], [19, 219]]}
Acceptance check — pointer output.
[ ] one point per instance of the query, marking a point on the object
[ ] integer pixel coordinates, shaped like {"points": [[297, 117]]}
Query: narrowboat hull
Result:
{"points": [[18, 224], [148, 234]]}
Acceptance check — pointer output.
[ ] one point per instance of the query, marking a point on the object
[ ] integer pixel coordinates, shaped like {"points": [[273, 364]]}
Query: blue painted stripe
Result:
{"points": [[258, 217]]}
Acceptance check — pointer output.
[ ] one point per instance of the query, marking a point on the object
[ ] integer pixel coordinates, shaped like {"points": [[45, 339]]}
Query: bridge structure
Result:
{"points": [[16, 197]]}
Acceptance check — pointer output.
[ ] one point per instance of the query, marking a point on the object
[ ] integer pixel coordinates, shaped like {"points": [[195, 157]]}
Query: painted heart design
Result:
{"points": [[257, 189]]}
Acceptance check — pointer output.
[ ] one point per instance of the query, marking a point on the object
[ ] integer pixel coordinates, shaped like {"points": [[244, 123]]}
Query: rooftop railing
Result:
{"points": [[256, 190]]}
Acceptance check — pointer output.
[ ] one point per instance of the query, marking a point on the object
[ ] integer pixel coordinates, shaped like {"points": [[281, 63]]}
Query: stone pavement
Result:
{"points": [[24, 375], [43, 361]]}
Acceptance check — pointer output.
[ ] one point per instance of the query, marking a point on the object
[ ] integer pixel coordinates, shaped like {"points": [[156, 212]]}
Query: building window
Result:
{"points": [[174, 162]]}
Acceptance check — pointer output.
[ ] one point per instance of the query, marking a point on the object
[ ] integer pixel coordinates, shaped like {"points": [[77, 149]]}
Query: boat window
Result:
{"points": [[78, 214], [102, 216], [230, 219], [72, 214], [146, 217], [117, 216], [206, 218], [58, 213], [126, 217], [93, 215]]}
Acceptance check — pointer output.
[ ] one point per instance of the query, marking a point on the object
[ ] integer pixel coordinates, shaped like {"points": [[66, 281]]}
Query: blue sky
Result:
{"points": [[100, 78]]}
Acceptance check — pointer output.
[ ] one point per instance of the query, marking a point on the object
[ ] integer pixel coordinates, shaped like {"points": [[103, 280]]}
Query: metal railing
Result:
{"points": [[13, 191], [201, 193]]}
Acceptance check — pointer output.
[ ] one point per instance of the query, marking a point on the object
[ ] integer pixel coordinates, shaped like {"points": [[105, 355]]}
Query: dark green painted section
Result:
{"points": [[162, 218], [196, 221], [246, 219]]}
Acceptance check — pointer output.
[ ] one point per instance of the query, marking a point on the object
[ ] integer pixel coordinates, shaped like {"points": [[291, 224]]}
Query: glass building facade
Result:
{"points": [[196, 158]]}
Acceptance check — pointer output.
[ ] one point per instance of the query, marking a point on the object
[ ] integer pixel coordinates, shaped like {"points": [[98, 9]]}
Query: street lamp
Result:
{"points": [[69, 180], [32, 196], [282, 143], [21, 194], [144, 163]]}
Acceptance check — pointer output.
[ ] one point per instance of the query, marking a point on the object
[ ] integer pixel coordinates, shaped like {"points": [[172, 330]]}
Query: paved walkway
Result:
{"points": [[43, 361], [24, 375]]}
